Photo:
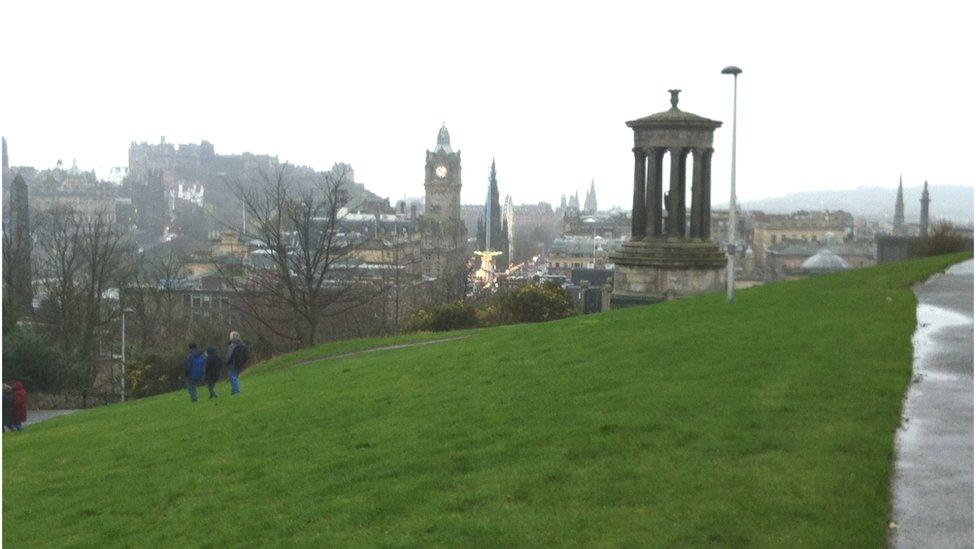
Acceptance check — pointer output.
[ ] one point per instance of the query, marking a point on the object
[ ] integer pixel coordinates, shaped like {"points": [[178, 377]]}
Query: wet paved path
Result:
{"points": [[37, 416], [933, 485]]}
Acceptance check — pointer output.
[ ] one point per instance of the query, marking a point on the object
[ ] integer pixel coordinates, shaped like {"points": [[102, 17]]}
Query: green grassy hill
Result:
{"points": [[768, 422]]}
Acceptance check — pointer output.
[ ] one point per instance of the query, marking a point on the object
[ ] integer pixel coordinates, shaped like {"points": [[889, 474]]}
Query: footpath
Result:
{"points": [[933, 483], [37, 416]]}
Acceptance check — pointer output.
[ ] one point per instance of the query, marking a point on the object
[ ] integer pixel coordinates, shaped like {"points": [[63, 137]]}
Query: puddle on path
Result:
{"points": [[931, 320]]}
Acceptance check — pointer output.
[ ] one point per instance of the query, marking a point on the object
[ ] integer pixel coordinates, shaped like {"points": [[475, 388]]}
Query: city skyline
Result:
{"points": [[544, 91]]}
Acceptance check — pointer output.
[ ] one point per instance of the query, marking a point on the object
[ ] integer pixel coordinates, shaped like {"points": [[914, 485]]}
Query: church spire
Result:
{"points": [[899, 208], [589, 207]]}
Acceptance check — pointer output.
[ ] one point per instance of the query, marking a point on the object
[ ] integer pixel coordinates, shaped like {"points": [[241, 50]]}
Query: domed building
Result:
{"points": [[824, 261]]}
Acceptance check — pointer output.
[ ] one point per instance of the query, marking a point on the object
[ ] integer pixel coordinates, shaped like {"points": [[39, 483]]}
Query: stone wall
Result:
{"points": [[650, 284], [67, 401]]}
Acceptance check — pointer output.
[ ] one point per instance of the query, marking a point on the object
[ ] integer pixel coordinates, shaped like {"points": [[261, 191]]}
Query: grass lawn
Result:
{"points": [[769, 422]]}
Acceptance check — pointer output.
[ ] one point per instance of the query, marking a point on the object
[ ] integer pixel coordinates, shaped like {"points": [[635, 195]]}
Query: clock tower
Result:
{"points": [[442, 182], [444, 238]]}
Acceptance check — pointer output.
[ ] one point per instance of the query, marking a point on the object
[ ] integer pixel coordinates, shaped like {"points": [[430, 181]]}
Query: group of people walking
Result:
{"points": [[14, 406], [202, 366]]}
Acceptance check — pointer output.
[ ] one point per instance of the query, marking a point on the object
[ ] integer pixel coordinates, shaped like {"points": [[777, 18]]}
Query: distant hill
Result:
{"points": [[953, 202]]}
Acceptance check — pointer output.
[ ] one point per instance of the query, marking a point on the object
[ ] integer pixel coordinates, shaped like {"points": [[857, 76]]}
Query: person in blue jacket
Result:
{"points": [[194, 370]]}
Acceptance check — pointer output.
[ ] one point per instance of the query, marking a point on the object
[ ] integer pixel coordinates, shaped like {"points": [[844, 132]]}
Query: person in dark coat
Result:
{"points": [[235, 361], [8, 407], [20, 405], [213, 370]]}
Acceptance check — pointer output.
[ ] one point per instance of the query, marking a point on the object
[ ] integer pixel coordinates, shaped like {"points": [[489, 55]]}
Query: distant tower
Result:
{"points": [[19, 279], [6, 165], [589, 207], [510, 226], [494, 233], [574, 201], [442, 184], [899, 209], [923, 223], [443, 234]]}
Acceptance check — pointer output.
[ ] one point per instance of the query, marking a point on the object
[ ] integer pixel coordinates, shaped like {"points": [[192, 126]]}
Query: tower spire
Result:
{"points": [[899, 208], [443, 139], [923, 223]]}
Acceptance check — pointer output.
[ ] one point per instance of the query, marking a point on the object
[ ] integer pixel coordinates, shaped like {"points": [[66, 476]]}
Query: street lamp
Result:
{"points": [[125, 312], [730, 269]]}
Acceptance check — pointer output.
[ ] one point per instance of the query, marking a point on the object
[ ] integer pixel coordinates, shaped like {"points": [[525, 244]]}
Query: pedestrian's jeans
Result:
{"points": [[235, 382], [191, 385]]}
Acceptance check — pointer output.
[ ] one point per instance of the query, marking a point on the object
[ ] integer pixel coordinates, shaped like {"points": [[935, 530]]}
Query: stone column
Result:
{"points": [[653, 192], [706, 193], [696, 193], [677, 193], [638, 215]]}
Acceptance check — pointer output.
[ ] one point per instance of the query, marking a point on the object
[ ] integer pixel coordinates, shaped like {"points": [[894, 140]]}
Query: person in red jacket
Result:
{"points": [[20, 405]]}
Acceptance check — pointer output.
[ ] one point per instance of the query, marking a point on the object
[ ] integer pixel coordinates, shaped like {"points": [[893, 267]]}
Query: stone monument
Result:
{"points": [[669, 255]]}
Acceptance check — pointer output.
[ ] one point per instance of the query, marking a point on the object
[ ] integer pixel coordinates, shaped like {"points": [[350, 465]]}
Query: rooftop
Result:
{"points": [[674, 117]]}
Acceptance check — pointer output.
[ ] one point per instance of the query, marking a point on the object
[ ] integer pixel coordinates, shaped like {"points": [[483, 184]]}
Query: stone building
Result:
{"points": [[785, 260], [819, 226], [86, 203], [198, 166], [532, 228], [580, 252], [443, 251], [667, 257]]}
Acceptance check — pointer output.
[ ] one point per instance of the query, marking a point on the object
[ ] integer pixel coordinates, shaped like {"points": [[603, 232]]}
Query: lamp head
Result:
{"points": [[732, 69]]}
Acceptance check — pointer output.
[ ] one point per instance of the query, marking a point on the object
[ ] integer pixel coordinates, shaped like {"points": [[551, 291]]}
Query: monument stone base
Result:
{"points": [[659, 269]]}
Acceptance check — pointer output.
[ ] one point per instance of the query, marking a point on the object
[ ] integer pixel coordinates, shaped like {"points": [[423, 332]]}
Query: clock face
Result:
{"points": [[441, 171]]}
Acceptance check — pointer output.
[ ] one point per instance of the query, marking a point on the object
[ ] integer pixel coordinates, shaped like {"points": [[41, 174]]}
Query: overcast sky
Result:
{"points": [[832, 95]]}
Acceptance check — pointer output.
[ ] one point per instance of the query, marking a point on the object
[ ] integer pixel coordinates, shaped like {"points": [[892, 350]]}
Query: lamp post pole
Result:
{"points": [[124, 313], [730, 269]]}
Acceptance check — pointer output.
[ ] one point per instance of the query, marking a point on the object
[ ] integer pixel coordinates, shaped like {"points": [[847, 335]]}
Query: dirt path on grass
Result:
{"points": [[933, 484], [377, 349]]}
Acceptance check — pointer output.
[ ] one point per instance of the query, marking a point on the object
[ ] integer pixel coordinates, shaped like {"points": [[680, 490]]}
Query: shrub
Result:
{"points": [[943, 239], [453, 316], [155, 372], [29, 357], [535, 303]]}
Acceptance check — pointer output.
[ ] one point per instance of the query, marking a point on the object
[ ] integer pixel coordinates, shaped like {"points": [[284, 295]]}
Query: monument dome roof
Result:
{"points": [[674, 117], [824, 261]]}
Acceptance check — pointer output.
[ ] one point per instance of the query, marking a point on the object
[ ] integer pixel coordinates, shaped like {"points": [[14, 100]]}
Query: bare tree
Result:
{"points": [[152, 291], [81, 259], [304, 273]]}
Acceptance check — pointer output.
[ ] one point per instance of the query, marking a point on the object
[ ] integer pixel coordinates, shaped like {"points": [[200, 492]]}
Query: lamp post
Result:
{"points": [[730, 269], [125, 312]]}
